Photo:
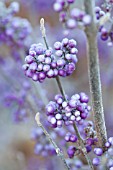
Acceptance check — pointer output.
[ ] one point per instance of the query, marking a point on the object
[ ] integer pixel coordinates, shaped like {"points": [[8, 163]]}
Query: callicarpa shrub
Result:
{"points": [[69, 123]]}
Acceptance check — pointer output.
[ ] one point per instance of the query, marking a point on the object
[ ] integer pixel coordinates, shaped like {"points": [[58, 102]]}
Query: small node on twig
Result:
{"points": [[37, 118], [42, 27], [57, 150]]}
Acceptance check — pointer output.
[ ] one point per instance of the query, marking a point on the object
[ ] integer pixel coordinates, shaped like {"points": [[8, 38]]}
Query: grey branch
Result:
{"points": [[94, 74]]}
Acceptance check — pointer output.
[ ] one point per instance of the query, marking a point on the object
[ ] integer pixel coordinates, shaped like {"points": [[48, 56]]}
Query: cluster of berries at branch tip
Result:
{"points": [[44, 63], [71, 18], [14, 30], [61, 111]]}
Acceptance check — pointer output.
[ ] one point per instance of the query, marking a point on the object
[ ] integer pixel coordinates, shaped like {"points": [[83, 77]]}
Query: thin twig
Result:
{"points": [[57, 149], [94, 75], [60, 87]]}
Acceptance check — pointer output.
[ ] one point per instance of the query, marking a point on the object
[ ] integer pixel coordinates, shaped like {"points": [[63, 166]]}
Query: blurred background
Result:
{"points": [[21, 98]]}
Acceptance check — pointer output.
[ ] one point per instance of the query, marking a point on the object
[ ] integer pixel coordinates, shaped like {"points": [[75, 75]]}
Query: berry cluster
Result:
{"points": [[77, 17], [62, 5], [107, 34], [13, 30], [42, 63], [103, 17], [109, 152], [70, 137], [18, 31], [71, 18], [19, 101], [67, 111]]}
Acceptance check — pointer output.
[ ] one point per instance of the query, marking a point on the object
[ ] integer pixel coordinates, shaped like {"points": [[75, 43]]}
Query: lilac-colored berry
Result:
{"points": [[73, 138], [110, 140], [50, 73], [67, 137], [58, 116], [46, 67], [40, 67], [57, 7], [62, 73], [71, 151], [86, 19], [59, 53], [50, 109], [47, 60], [73, 50], [53, 121], [29, 59], [42, 75], [25, 67], [35, 77], [98, 151], [57, 45], [48, 53], [72, 103], [28, 73], [41, 58], [65, 42], [59, 123], [71, 23], [96, 161], [60, 62], [53, 64], [33, 66]]}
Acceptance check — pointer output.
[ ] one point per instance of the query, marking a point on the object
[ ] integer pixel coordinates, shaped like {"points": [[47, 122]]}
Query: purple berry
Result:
{"points": [[71, 23], [71, 151], [73, 138], [96, 161], [98, 151], [29, 59], [57, 45]]}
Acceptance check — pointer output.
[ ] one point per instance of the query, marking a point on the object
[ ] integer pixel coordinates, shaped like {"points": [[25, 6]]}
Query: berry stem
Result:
{"points": [[46, 42], [94, 75], [57, 149], [60, 87]]}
